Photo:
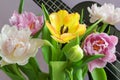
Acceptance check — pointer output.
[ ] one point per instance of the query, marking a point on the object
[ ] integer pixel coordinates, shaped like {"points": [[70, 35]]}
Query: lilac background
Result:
{"points": [[8, 6]]}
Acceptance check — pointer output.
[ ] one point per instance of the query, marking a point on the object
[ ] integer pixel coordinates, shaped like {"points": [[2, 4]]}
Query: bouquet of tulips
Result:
{"points": [[69, 47]]}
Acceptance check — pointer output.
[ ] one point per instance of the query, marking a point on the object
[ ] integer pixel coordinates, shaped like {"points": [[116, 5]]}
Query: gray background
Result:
{"points": [[8, 6]]}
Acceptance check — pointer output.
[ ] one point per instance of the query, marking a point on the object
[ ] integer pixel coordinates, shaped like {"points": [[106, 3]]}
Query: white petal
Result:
{"points": [[36, 43], [1, 41], [2, 63], [107, 12], [19, 52], [25, 61], [17, 46]]}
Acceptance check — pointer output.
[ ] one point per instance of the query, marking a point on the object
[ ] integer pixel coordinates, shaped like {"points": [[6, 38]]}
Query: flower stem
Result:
{"points": [[13, 72], [79, 74], [57, 70], [102, 29], [32, 70], [21, 5], [70, 73]]}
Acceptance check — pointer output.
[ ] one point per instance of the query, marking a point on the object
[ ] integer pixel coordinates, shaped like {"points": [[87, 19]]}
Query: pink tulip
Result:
{"points": [[100, 43], [27, 20]]}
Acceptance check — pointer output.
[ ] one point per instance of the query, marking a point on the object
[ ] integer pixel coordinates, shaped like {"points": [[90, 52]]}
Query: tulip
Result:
{"points": [[100, 43], [107, 12], [75, 53], [27, 19], [16, 46], [64, 26]]}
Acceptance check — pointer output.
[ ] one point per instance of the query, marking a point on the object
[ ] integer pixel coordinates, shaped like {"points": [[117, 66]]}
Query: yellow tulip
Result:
{"points": [[64, 26]]}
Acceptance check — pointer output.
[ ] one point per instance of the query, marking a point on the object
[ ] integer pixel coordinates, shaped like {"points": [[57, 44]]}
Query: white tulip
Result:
{"points": [[107, 12], [16, 46]]}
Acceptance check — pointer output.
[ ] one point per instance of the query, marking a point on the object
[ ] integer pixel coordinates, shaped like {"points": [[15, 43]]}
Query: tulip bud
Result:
{"points": [[74, 54]]}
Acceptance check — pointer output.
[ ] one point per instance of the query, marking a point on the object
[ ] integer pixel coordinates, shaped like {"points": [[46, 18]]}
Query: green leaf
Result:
{"points": [[69, 74], [46, 14], [14, 76], [90, 29], [85, 70], [103, 27], [56, 52], [45, 31], [21, 5], [29, 72], [58, 70], [81, 16], [99, 74], [13, 72], [85, 60], [31, 69], [46, 50], [53, 49], [43, 76], [34, 64], [70, 44], [78, 74]]}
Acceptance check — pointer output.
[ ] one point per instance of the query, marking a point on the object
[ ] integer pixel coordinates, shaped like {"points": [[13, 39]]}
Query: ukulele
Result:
{"points": [[53, 5]]}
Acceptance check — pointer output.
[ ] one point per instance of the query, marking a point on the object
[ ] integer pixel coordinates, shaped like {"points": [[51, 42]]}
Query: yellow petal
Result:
{"points": [[52, 29], [58, 39], [56, 19], [62, 14], [81, 29], [71, 21], [67, 36], [64, 38]]}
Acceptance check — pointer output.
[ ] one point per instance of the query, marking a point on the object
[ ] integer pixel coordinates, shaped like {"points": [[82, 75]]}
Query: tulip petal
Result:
{"points": [[36, 43], [59, 39], [27, 20], [57, 19], [81, 29], [62, 15], [114, 40], [52, 29], [2, 63], [67, 36], [71, 21], [96, 64]]}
